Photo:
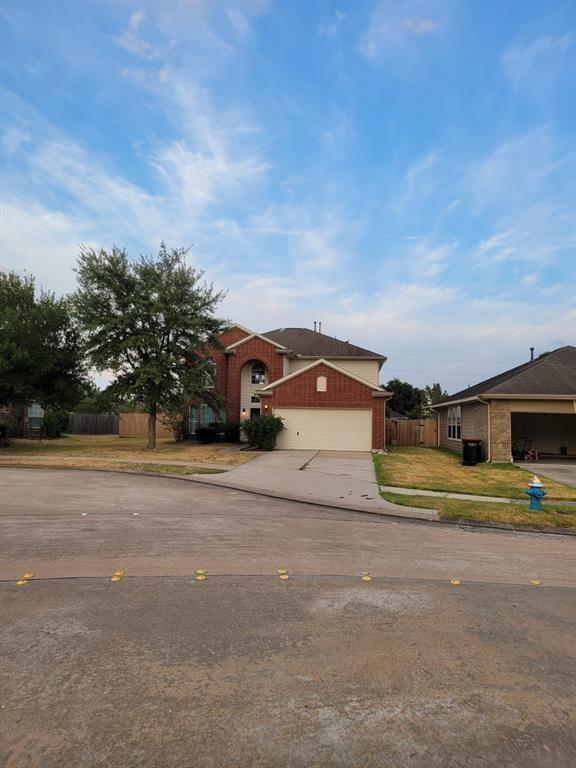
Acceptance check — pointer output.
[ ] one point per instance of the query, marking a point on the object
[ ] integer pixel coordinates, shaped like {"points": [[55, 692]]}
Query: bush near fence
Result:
{"points": [[136, 425], [415, 433]]}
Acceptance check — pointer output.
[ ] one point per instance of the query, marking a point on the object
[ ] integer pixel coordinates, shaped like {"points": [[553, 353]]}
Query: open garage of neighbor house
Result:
{"points": [[527, 412], [549, 434]]}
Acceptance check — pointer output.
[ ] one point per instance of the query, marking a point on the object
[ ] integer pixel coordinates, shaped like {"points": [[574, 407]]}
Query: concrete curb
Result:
{"points": [[452, 521]]}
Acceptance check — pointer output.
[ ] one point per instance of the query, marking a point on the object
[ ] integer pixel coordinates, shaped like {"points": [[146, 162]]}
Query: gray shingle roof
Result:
{"points": [[553, 373], [303, 341]]}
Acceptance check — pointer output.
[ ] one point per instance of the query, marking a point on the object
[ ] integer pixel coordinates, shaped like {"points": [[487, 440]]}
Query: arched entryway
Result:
{"points": [[254, 376]]}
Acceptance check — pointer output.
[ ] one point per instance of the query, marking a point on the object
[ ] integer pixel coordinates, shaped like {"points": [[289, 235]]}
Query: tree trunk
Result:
{"points": [[152, 429]]}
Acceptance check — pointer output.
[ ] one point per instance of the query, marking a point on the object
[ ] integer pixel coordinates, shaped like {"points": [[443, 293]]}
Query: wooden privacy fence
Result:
{"points": [[93, 424], [417, 433], [136, 425]]}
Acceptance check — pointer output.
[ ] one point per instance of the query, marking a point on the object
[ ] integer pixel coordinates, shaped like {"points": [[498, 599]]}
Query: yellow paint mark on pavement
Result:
{"points": [[366, 577], [200, 577], [455, 582], [28, 575], [22, 582], [535, 582], [200, 571]]}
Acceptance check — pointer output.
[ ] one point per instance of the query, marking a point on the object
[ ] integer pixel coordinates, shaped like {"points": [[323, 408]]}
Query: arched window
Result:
{"points": [[258, 373], [209, 373]]}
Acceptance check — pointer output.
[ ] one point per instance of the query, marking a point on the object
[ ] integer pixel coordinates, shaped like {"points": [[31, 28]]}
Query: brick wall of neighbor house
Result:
{"points": [[341, 392], [8, 417], [475, 424], [444, 441], [500, 431]]}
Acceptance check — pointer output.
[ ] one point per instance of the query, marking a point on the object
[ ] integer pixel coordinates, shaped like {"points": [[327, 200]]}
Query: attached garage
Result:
{"points": [[329, 429]]}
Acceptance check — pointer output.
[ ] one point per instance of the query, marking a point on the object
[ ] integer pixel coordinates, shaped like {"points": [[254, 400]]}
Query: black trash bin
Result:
{"points": [[471, 452]]}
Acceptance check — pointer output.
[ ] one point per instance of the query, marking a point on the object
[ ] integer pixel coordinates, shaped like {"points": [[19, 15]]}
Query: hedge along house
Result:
{"points": [[326, 390], [528, 408]]}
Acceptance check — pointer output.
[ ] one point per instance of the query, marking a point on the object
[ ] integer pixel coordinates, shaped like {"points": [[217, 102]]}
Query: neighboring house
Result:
{"points": [[395, 416], [327, 391], [531, 407], [21, 419]]}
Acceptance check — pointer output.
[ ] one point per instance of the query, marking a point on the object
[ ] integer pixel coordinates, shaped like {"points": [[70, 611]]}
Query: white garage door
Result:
{"points": [[327, 429]]}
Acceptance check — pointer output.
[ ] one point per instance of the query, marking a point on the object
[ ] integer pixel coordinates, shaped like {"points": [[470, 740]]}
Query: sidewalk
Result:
{"points": [[345, 480]]}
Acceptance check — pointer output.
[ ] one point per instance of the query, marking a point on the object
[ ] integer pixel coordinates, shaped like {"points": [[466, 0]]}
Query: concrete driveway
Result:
{"points": [[342, 478], [243, 669], [562, 471]]}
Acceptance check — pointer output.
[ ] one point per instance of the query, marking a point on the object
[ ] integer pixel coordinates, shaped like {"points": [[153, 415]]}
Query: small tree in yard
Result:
{"points": [[262, 431], [41, 358], [152, 323]]}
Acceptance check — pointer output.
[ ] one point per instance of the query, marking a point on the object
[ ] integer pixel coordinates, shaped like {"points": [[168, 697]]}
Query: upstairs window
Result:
{"points": [[455, 422], [321, 384], [258, 373]]}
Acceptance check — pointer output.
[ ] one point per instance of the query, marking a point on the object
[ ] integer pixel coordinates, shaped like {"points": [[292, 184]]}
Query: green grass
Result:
{"points": [[436, 469], [125, 466], [552, 516], [113, 446]]}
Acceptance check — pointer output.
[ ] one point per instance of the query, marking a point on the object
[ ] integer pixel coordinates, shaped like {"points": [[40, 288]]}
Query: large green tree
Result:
{"points": [[406, 399], [152, 323], [40, 346]]}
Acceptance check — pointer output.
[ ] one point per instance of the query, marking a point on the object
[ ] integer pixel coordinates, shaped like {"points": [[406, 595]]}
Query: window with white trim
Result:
{"points": [[455, 422], [258, 373], [320, 383], [203, 415], [35, 416]]}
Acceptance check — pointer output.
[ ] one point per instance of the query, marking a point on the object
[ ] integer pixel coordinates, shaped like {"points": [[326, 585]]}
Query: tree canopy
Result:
{"points": [[412, 401], [40, 346], [152, 323]]}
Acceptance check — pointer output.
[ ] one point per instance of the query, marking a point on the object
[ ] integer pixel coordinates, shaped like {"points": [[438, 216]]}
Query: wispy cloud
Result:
{"points": [[396, 29], [536, 64], [133, 42]]}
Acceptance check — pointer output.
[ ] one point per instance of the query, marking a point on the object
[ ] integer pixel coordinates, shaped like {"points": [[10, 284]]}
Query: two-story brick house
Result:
{"points": [[326, 390]]}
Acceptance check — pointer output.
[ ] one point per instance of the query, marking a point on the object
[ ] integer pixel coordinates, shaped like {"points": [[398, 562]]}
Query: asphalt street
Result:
{"points": [[243, 668]]}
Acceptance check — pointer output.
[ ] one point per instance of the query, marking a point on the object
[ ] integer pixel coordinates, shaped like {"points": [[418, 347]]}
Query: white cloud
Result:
{"points": [[536, 64], [397, 28], [131, 40], [13, 137], [198, 179]]}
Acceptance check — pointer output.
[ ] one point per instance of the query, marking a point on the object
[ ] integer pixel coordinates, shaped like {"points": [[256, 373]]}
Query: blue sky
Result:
{"points": [[402, 171]]}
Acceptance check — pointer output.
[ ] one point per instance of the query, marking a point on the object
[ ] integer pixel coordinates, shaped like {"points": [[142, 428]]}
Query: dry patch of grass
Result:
{"points": [[435, 469], [552, 516], [125, 466], [112, 446]]}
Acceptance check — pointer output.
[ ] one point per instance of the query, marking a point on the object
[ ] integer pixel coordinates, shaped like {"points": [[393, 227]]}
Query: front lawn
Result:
{"points": [[112, 446], [435, 469], [124, 466], [552, 516]]}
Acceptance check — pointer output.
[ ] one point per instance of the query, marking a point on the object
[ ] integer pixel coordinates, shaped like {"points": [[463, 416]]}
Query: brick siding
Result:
{"points": [[341, 392], [501, 431]]}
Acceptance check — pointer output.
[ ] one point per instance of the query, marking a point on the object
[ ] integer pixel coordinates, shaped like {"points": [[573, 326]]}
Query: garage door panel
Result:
{"points": [[327, 429]]}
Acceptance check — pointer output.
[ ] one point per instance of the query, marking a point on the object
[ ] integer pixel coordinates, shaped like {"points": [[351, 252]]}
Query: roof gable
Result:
{"points": [[253, 335], [553, 373], [307, 343], [314, 364]]}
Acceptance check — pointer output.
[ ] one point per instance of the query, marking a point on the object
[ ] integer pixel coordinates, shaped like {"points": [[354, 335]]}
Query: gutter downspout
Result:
{"points": [[489, 451]]}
